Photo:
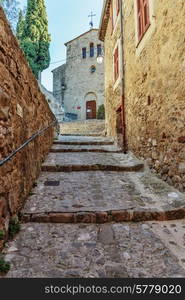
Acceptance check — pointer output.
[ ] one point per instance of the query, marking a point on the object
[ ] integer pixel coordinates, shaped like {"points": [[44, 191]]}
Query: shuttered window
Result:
{"points": [[116, 64], [91, 49], [84, 53], [117, 7], [111, 17], [143, 17], [99, 50]]}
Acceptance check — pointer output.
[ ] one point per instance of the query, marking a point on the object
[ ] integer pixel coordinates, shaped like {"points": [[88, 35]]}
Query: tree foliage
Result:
{"points": [[20, 25], [34, 37]]}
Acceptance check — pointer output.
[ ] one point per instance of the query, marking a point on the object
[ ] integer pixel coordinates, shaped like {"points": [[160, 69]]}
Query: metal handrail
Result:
{"points": [[2, 162]]}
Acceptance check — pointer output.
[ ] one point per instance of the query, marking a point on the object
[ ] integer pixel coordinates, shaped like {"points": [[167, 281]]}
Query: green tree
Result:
{"points": [[11, 9], [20, 26], [101, 112], [35, 39]]}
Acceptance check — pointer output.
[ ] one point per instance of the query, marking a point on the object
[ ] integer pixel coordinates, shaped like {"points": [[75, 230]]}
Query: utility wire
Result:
{"points": [[77, 56]]}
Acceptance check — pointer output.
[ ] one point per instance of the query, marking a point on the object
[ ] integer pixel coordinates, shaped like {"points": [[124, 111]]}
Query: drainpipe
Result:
{"points": [[125, 146]]}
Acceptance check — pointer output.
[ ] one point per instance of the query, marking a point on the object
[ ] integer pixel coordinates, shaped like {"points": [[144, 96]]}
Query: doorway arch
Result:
{"points": [[90, 100]]}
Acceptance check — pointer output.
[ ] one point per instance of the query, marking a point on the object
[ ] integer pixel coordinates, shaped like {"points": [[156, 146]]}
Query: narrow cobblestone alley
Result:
{"points": [[95, 212]]}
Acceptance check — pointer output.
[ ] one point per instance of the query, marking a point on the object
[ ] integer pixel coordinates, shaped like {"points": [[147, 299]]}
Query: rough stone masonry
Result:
{"points": [[23, 111], [154, 72]]}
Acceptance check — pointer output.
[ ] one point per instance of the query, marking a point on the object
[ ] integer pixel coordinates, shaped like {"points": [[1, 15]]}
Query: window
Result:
{"points": [[91, 49], [84, 53], [116, 64], [117, 7], [111, 17], [143, 17], [99, 50], [114, 12], [93, 69]]}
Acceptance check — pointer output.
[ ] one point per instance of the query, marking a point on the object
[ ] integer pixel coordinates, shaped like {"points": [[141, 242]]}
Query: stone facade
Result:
{"points": [[154, 87], [54, 104], [79, 83], [23, 111], [112, 89], [58, 82]]}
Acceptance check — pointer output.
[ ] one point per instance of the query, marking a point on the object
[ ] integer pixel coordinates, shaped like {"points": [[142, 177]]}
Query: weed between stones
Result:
{"points": [[14, 227], [4, 266], [2, 234]]}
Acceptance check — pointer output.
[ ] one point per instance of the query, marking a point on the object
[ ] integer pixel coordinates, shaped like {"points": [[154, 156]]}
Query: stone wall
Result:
{"points": [[54, 104], [23, 111], [58, 81], [112, 89], [155, 89], [154, 86]]}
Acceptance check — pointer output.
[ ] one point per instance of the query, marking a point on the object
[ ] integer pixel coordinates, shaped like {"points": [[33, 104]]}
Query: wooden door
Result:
{"points": [[91, 110]]}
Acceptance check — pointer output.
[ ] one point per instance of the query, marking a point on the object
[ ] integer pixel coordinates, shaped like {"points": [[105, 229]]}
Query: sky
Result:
{"points": [[67, 19]]}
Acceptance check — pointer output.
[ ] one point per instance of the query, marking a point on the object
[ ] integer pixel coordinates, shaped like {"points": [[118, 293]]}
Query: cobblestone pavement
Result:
{"points": [[101, 191], [110, 250], [105, 248]]}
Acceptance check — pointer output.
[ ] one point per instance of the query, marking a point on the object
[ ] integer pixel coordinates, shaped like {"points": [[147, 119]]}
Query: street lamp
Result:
{"points": [[100, 57]]}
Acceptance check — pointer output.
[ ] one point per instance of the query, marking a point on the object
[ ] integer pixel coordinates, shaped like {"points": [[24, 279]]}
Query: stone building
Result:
{"points": [[54, 104], [79, 84], [145, 82]]}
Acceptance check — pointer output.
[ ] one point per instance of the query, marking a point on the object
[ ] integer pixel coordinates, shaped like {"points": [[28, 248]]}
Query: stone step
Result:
{"points": [[84, 148], [101, 217], [88, 127], [100, 197], [83, 141], [103, 143], [68, 162], [89, 134]]}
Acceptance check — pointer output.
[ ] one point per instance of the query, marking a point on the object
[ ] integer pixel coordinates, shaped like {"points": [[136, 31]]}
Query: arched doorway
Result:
{"points": [[90, 100]]}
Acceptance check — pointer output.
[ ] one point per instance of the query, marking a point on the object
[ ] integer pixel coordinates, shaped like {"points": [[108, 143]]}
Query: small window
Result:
{"points": [[116, 64], [92, 69], [91, 50], [84, 53], [99, 50], [143, 17]]}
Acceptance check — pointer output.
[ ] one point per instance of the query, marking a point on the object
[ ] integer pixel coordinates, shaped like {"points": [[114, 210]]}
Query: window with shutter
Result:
{"points": [[143, 17], [117, 7], [84, 53], [99, 50], [91, 49], [111, 17], [116, 64]]}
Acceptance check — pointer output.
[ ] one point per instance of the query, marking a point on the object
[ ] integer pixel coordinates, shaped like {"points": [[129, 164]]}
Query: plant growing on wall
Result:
{"points": [[2, 234], [4, 266], [14, 227], [34, 37]]}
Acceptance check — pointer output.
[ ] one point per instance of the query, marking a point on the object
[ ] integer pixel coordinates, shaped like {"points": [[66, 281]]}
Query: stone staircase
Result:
{"points": [[73, 223], [89, 180], [83, 128]]}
